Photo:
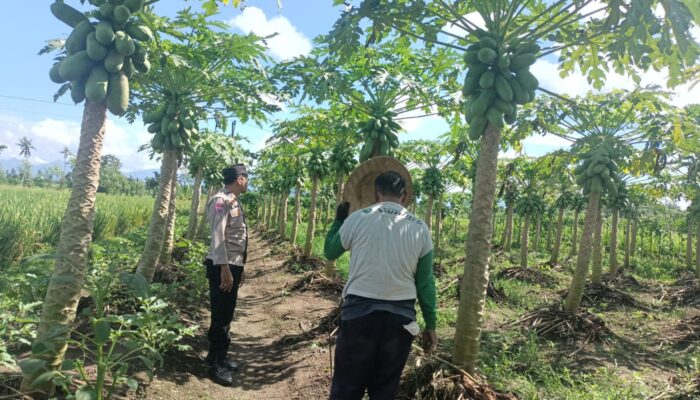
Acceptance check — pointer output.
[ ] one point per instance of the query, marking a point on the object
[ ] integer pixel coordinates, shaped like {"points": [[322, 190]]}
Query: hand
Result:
{"points": [[226, 278], [242, 278], [341, 213], [429, 342]]}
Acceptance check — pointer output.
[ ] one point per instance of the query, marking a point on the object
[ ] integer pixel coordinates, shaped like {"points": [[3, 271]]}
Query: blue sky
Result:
{"points": [[26, 107]]}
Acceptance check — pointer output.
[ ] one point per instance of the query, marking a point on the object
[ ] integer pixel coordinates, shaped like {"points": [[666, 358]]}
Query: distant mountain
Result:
{"points": [[141, 174], [16, 163]]}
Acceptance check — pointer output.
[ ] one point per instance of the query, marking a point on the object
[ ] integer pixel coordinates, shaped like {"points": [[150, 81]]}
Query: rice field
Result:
{"points": [[30, 219]]}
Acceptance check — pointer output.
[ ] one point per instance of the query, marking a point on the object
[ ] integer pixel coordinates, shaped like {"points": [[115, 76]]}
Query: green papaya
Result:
{"points": [[154, 127], [95, 50], [521, 61], [177, 142], [124, 44], [487, 79], [139, 31], [471, 85], [97, 3], [477, 70], [186, 122], [477, 126], [173, 126], [77, 90], [67, 14], [596, 184], [520, 95], [164, 125], [157, 142], [140, 53], [97, 83], [487, 55], [504, 106], [495, 117], [114, 61], [54, 75], [503, 62], [134, 5], [155, 116], [121, 14], [171, 110], [118, 93], [77, 39], [527, 79], [76, 66], [470, 58], [104, 33], [581, 179], [484, 101], [128, 67], [383, 148], [503, 88], [527, 47], [509, 119], [142, 67], [488, 42], [107, 9]]}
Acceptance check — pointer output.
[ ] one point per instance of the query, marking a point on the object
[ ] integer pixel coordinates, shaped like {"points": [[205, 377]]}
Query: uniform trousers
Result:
{"points": [[222, 305]]}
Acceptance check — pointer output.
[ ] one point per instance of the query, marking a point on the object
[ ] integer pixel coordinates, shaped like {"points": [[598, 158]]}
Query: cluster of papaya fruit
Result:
{"points": [[530, 204], [102, 56], [432, 181], [172, 124], [379, 132], [598, 171], [498, 80]]}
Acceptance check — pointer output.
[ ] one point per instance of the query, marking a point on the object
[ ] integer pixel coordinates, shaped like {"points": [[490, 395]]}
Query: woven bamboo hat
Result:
{"points": [[359, 190]]}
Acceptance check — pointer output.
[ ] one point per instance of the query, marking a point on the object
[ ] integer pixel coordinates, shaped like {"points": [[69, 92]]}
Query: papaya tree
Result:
{"points": [[578, 204], [618, 204], [562, 203], [317, 167], [104, 51], [507, 38], [529, 205]]}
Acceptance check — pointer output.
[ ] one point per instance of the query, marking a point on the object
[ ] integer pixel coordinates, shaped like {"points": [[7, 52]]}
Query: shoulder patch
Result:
{"points": [[220, 205]]}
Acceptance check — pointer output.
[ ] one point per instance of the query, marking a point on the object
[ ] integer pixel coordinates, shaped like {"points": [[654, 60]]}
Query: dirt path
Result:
{"points": [[279, 358]]}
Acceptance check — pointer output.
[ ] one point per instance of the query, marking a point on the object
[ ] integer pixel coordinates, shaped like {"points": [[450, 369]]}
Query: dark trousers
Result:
{"points": [[222, 305], [370, 354]]}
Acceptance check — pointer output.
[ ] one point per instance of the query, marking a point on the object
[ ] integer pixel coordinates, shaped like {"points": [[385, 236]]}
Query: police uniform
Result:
{"points": [[229, 246]]}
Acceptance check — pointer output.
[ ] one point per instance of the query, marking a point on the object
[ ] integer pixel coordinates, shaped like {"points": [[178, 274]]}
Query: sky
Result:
{"points": [[27, 109]]}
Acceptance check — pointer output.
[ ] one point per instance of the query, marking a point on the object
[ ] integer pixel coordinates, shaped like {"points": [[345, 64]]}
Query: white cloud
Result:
{"points": [[66, 133], [260, 143], [288, 43], [123, 141], [474, 18]]}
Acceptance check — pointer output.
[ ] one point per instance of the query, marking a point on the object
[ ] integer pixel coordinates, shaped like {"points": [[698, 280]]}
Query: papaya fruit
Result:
{"points": [[173, 126], [495, 117], [77, 90], [471, 85], [121, 14], [155, 116], [154, 127], [503, 62], [503, 88], [487, 55], [118, 93], [157, 142], [488, 42], [487, 79], [128, 67], [522, 60], [142, 67], [503, 106], [124, 44], [470, 57], [97, 83], [106, 10], [140, 53], [77, 39], [477, 70], [172, 110], [114, 61], [134, 5], [104, 33], [527, 79], [509, 119], [520, 95], [164, 125], [477, 126], [139, 31], [95, 50], [54, 75], [76, 66], [527, 47], [67, 14], [596, 184]]}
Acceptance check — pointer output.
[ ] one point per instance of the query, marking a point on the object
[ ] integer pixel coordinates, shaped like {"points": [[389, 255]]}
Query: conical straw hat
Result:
{"points": [[359, 190]]}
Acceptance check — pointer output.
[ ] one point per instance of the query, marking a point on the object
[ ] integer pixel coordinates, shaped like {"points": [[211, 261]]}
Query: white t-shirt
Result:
{"points": [[385, 243]]}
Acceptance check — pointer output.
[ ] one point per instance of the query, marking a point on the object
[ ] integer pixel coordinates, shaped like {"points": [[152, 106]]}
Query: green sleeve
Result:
{"points": [[425, 286], [333, 247]]}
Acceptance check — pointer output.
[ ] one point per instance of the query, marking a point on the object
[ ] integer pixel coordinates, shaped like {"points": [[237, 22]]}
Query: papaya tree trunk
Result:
{"points": [[612, 268], [283, 215], [689, 246], [508, 238], [340, 178], [312, 218], [438, 225], [574, 235], [538, 233], [297, 211], [429, 212], [194, 207], [271, 214], [578, 282], [263, 218], [66, 282], [557, 240], [202, 230], [628, 238], [697, 250], [635, 230], [167, 250], [597, 255], [156, 229], [524, 241], [470, 312], [548, 241]]}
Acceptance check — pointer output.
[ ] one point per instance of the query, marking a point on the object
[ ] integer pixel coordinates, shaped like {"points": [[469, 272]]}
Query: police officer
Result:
{"points": [[225, 261], [391, 265]]}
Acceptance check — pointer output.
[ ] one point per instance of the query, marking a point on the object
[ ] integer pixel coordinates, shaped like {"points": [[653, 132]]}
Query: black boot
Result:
{"points": [[219, 373], [230, 364]]}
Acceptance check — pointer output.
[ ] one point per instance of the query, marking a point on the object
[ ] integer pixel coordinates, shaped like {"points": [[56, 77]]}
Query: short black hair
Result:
{"points": [[231, 173], [390, 184]]}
